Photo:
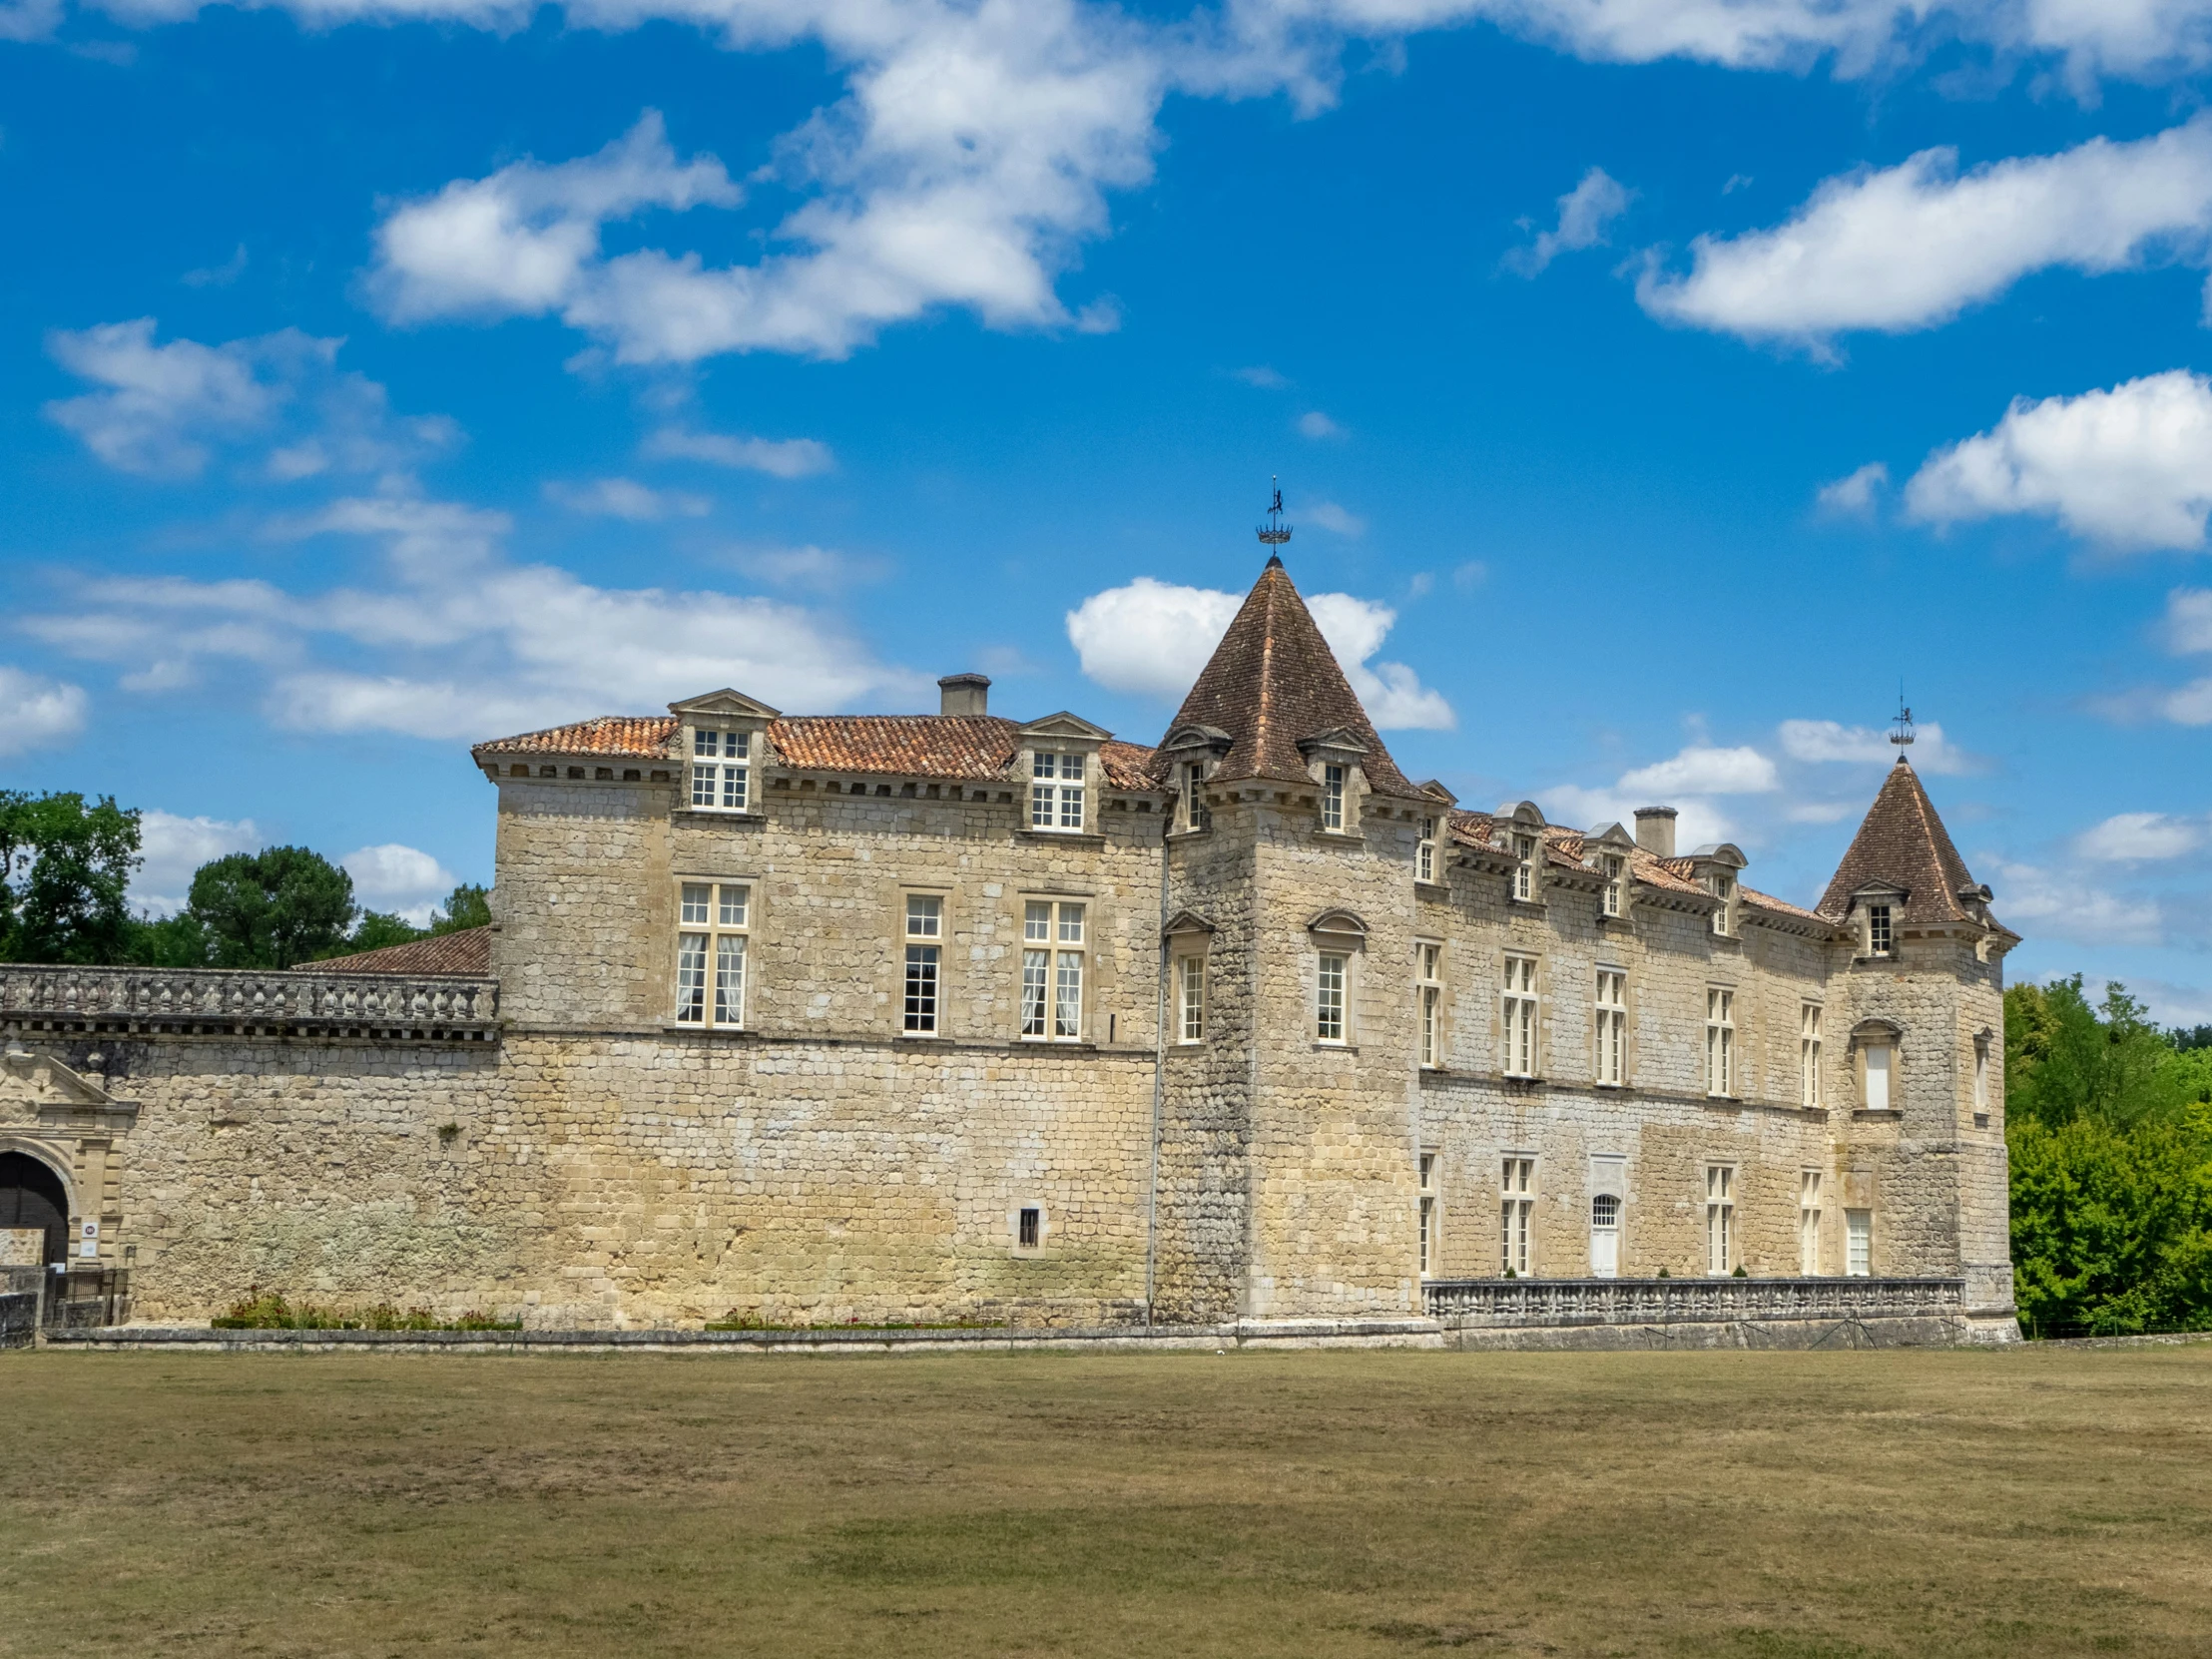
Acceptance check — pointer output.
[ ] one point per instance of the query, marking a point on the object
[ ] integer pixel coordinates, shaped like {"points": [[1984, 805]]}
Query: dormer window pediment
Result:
{"points": [[1058, 760], [721, 739]]}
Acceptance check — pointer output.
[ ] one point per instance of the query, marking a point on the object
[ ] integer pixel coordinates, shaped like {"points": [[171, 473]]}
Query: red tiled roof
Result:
{"points": [[630, 737], [1272, 681], [467, 953]]}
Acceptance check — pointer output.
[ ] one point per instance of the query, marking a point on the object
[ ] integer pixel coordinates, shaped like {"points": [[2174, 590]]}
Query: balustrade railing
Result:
{"points": [[198, 999], [1549, 1302]]}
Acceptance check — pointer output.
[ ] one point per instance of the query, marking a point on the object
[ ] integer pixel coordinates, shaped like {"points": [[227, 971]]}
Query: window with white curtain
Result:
{"points": [[1053, 946], [713, 920]]}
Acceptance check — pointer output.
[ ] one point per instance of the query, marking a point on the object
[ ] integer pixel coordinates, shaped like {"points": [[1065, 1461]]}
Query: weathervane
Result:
{"points": [[1275, 532], [1901, 732]]}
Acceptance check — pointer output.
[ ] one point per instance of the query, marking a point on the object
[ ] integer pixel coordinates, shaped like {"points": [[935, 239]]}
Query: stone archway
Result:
{"points": [[33, 1196]]}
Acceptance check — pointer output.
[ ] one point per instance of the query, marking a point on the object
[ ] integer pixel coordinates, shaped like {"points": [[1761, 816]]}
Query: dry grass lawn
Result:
{"points": [[1762, 1505]]}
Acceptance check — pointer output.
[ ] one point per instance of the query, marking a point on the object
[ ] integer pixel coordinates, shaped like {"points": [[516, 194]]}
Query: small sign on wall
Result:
{"points": [[88, 1239]]}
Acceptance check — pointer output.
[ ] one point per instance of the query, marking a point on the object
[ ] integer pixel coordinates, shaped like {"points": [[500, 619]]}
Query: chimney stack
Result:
{"points": [[1655, 830], [965, 694]]}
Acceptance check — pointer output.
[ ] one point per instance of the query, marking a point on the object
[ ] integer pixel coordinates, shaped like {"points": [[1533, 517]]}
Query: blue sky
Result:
{"points": [[1656, 389]]}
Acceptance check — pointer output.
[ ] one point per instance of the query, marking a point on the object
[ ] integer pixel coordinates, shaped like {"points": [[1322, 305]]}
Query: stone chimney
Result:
{"points": [[965, 694], [1655, 830]]}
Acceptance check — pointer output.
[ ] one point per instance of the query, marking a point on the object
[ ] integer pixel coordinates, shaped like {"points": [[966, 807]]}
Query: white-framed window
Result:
{"points": [[1724, 889], [924, 952], [1053, 944], [714, 922], [1982, 1082], [1858, 1243], [1879, 937], [1612, 1027], [1605, 1236], [1720, 1219], [1808, 1223], [1196, 813], [720, 770], [1055, 790], [1190, 999], [1517, 1216], [1424, 851], [1809, 1053], [1333, 971], [1524, 871], [1428, 1239], [1332, 798], [1615, 901], [1429, 994], [1518, 1014], [1720, 1041], [1877, 1076]]}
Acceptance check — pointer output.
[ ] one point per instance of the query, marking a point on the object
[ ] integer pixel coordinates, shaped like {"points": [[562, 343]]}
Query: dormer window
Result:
{"points": [[1333, 797], [1056, 791], [1878, 939], [1525, 872], [720, 770], [1615, 901], [1724, 889], [1196, 813], [1424, 851]]}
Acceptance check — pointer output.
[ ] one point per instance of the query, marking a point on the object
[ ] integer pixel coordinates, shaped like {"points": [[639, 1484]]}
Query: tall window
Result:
{"points": [[1525, 872], [714, 918], [1328, 1023], [1612, 1027], [1430, 991], [1518, 1014], [1427, 1213], [1878, 1077], [1052, 941], [1808, 1223], [1332, 798], [1720, 1218], [1055, 790], [1858, 1243], [1808, 1054], [1517, 1216], [924, 926], [1424, 851], [1982, 1082], [1196, 813], [1605, 1236], [1878, 930], [1614, 902], [720, 770], [1190, 998], [1720, 1041], [1724, 889]]}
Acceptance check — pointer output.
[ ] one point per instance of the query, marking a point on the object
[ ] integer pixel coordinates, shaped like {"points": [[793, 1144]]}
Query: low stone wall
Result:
{"points": [[1712, 1313]]}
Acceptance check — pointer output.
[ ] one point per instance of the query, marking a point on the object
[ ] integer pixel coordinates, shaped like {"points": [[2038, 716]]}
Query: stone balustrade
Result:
{"points": [[1555, 1302], [248, 1003]]}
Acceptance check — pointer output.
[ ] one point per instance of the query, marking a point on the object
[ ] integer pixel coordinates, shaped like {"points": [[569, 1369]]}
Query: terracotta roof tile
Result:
{"points": [[467, 954], [1271, 681], [637, 737], [1902, 844]]}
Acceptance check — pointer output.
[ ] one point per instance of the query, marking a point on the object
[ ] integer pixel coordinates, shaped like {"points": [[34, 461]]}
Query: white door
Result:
{"points": [[1878, 1079], [1605, 1236]]}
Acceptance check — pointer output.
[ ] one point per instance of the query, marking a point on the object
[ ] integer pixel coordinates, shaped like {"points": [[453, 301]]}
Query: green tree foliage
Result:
{"points": [[272, 908], [2110, 1123], [468, 906], [65, 867]]}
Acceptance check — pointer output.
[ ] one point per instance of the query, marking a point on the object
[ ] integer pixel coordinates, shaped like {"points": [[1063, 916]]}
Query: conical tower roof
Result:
{"points": [[1272, 682], [1902, 844]]}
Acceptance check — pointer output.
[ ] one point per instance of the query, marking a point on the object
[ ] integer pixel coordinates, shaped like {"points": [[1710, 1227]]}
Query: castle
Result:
{"points": [[804, 1019]]}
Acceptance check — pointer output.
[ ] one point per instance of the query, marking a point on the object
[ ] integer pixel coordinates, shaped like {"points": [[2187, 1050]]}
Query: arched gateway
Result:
{"points": [[32, 1196]]}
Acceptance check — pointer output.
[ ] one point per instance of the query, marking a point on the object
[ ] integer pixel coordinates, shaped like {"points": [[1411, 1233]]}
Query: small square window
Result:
{"points": [[1029, 1227], [924, 916]]}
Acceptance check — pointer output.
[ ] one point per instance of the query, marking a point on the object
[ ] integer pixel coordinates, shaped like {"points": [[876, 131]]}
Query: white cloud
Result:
{"points": [[2188, 625], [1315, 424], [1332, 517], [174, 848], [626, 498], [822, 568], [1586, 213], [1912, 246], [2139, 837], [2061, 905], [162, 409], [1820, 741], [459, 643], [1856, 494], [399, 879], [1701, 768], [2130, 468], [1699, 822], [780, 458], [37, 712], [1266, 378], [1153, 637], [218, 276]]}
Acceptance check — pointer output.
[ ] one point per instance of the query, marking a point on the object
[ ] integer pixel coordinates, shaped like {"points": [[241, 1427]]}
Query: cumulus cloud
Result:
{"points": [[1701, 768], [403, 880], [1819, 742], [2061, 905], [38, 712], [162, 410], [172, 848], [455, 641], [626, 498], [1585, 214], [1856, 494], [778, 458], [1912, 246], [2129, 468], [2139, 837], [1153, 637], [2186, 631], [1699, 822]]}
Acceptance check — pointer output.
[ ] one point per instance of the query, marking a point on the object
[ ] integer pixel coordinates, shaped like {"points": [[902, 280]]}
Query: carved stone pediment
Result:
{"points": [[37, 1088], [1066, 728], [727, 703]]}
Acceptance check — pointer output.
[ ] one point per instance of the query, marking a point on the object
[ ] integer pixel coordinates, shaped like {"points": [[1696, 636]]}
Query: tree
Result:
{"points": [[65, 871], [272, 908], [375, 931], [468, 906]]}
